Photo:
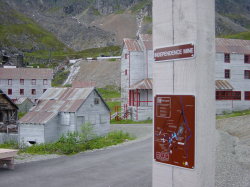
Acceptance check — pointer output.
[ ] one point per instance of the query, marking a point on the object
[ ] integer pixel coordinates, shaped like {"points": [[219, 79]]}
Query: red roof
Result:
{"points": [[224, 45], [83, 84], [26, 73], [132, 45], [56, 100], [147, 41]]}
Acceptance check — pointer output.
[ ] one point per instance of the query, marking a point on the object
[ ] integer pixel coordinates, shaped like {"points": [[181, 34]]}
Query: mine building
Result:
{"points": [[136, 77], [62, 110], [8, 114], [25, 82], [232, 76]]}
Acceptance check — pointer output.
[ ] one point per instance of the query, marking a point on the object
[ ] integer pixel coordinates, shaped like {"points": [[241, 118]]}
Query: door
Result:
{"points": [[80, 122]]}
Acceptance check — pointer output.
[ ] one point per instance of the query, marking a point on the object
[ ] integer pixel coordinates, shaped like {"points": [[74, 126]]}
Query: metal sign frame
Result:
{"points": [[177, 56]]}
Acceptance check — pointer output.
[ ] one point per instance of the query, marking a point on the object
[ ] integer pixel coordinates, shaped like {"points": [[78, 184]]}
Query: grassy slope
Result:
{"points": [[243, 36], [25, 34], [21, 32]]}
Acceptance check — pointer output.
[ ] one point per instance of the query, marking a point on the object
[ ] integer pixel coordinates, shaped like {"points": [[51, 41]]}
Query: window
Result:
{"points": [[22, 81], [9, 81], [247, 74], [33, 81], [227, 58], [45, 81], [126, 72], [33, 91], [247, 59], [227, 73], [228, 95], [247, 95], [96, 101], [21, 91], [44, 90], [9, 91]]}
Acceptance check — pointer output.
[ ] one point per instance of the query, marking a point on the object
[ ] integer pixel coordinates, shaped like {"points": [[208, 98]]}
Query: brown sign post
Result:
{"points": [[178, 52], [174, 130]]}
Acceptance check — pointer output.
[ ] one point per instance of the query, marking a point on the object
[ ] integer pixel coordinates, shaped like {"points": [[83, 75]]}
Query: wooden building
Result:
{"points": [[62, 110], [136, 77], [25, 82], [232, 74], [8, 114]]}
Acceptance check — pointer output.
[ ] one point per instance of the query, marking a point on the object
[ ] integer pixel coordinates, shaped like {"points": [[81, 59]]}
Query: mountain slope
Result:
{"points": [[83, 24], [20, 33]]}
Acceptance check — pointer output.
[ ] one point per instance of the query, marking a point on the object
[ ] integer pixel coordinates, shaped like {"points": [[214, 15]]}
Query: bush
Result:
{"points": [[75, 142]]}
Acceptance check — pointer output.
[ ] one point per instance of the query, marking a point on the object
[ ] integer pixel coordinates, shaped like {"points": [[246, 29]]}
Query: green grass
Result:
{"points": [[233, 114], [109, 92], [71, 144], [112, 105], [60, 78], [113, 121], [21, 114], [242, 36], [147, 19], [9, 145], [137, 7]]}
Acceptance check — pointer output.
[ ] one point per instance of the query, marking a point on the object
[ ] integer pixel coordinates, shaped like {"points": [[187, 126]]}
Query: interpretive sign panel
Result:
{"points": [[174, 52], [174, 130]]}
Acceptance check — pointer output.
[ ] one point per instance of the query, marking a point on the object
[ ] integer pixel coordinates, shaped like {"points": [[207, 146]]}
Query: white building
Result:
{"points": [[25, 82], [136, 76], [62, 110], [232, 74], [232, 77]]}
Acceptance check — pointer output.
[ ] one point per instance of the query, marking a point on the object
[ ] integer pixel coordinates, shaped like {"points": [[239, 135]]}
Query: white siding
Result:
{"points": [[16, 86], [237, 80], [31, 132], [92, 112], [51, 131]]}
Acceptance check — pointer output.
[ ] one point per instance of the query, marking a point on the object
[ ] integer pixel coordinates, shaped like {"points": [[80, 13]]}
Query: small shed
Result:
{"points": [[24, 104], [8, 114], [62, 110]]}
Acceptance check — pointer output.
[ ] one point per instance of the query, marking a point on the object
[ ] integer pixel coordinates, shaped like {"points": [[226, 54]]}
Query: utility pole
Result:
{"points": [[184, 93]]}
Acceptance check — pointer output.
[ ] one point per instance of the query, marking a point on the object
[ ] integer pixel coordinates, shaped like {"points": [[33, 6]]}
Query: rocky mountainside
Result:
{"points": [[82, 24]]}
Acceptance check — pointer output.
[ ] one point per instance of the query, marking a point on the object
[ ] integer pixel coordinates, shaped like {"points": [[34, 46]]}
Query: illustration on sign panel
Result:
{"points": [[174, 130]]}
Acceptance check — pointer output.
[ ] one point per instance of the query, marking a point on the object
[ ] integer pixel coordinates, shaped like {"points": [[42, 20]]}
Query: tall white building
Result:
{"points": [[136, 76], [232, 74]]}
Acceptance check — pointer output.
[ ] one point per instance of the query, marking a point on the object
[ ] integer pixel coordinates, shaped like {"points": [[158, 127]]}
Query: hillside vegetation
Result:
{"points": [[20, 32], [242, 36]]}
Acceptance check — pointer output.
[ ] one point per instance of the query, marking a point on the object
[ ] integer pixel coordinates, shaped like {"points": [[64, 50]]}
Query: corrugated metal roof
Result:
{"points": [[145, 84], [21, 100], [224, 45], [56, 100], [26, 73], [83, 84], [223, 85], [147, 41], [132, 45]]}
